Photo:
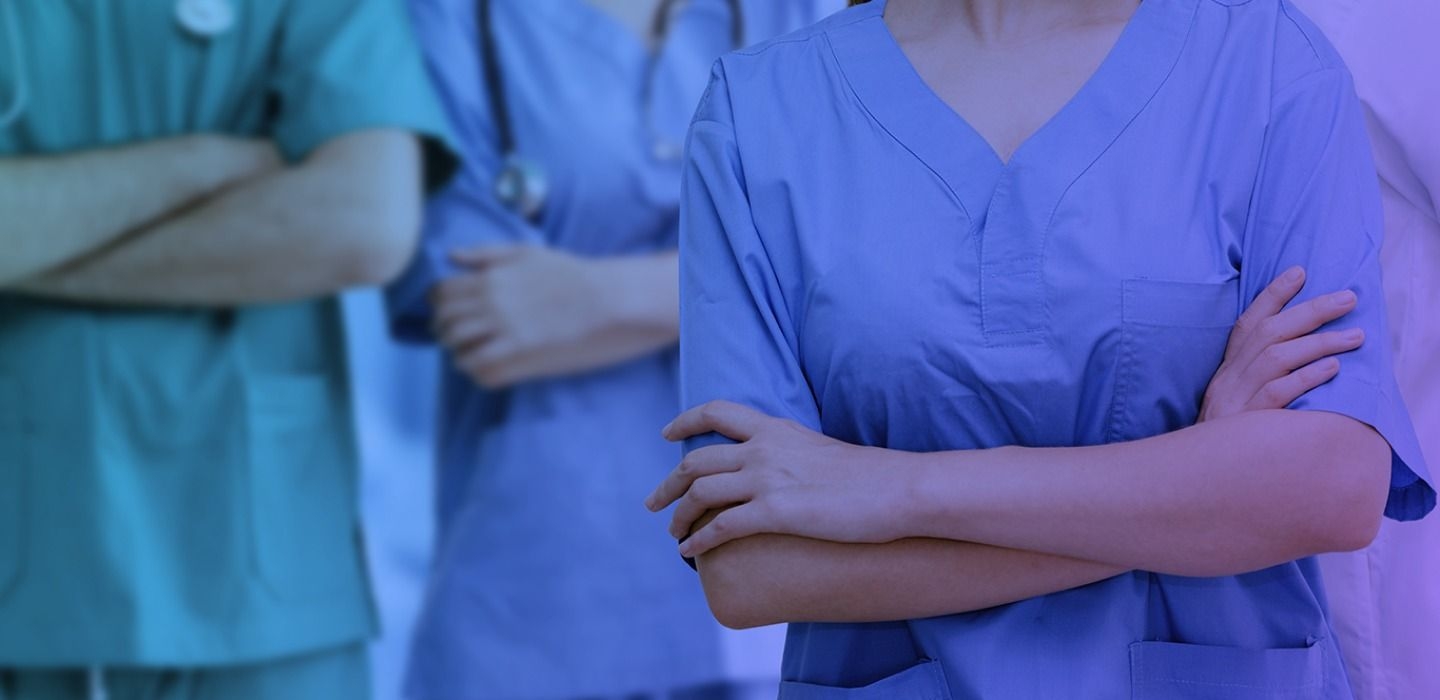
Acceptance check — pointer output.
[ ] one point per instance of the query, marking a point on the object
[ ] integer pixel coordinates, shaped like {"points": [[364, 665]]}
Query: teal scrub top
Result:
{"points": [[177, 487]]}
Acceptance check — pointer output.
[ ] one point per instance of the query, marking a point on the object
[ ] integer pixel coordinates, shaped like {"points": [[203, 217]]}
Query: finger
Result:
{"points": [[706, 461], [1283, 358], [489, 363], [466, 332], [733, 524], [1268, 303], [1307, 316], [456, 295], [1281, 392], [739, 423], [707, 494], [486, 256]]}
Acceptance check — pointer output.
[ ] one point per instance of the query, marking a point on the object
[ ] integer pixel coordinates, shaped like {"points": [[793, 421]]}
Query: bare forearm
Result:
{"points": [[646, 295], [768, 579], [639, 298], [348, 216], [60, 207], [1223, 497]]}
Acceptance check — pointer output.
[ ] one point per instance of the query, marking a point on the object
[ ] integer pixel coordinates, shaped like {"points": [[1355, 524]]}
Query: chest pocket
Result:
{"points": [[1172, 340]]}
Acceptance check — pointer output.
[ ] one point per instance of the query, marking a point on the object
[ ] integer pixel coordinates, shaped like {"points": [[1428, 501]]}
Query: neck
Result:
{"points": [[1003, 20]]}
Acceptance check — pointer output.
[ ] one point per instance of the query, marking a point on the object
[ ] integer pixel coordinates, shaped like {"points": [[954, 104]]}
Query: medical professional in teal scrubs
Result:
{"points": [[186, 185], [949, 353], [548, 273]]}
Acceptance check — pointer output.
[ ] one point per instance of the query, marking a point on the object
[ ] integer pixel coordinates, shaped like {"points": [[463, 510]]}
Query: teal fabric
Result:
{"points": [[177, 487], [334, 674]]}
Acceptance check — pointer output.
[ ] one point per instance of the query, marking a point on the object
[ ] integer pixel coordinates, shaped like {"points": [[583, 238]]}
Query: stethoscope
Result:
{"points": [[522, 185], [202, 19]]}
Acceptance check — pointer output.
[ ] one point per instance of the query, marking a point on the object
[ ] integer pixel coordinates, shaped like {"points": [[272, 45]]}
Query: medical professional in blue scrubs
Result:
{"points": [[548, 273], [947, 351], [186, 186]]}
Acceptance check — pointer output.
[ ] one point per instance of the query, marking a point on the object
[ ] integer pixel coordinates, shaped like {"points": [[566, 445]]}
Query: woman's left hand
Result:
{"points": [[780, 477]]}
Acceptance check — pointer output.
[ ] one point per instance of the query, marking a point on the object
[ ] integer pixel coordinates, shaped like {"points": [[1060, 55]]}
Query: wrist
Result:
{"points": [[634, 296], [911, 480], [935, 486]]}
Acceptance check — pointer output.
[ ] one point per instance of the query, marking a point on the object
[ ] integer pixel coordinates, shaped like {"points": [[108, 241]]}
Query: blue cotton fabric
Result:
{"points": [[855, 257]]}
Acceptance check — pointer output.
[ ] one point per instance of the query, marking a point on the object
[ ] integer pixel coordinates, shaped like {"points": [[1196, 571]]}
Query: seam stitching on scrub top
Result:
{"points": [[802, 35], [850, 86], [1283, 93], [1169, 73], [1217, 684], [1309, 40], [792, 343]]}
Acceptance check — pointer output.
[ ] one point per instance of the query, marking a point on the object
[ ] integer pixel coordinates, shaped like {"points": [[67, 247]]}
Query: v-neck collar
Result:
{"points": [[1009, 204]]}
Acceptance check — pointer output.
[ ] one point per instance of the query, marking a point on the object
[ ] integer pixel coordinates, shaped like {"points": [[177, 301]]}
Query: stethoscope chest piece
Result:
{"points": [[522, 187], [205, 18]]}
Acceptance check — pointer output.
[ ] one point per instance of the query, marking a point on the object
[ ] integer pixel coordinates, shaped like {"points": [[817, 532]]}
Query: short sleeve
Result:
{"points": [[347, 65], [465, 213], [1317, 205], [737, 336]]}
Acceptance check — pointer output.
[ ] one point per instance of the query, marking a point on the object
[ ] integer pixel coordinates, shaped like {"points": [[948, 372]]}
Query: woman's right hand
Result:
{"points": [[1274, 354]]}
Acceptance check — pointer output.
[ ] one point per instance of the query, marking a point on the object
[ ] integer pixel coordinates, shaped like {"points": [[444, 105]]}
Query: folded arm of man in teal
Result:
{"points": [[177, 474]]}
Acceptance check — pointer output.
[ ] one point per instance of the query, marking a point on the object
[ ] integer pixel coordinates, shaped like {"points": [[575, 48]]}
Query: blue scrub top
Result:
{"points": [[855, 257], [549, 578], [177, 486]]}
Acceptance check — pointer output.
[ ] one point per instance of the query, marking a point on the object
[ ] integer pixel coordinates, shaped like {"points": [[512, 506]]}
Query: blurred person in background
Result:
{"points": [[548, 274], [186, 186], [1385, 598]]}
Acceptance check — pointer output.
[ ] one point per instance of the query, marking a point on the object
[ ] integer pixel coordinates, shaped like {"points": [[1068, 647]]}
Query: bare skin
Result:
{"points": [[974, 54], [519, 314], [256, 232], [88, 199]]}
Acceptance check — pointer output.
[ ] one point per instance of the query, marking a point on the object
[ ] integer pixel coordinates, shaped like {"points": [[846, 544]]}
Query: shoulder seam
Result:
{"points": [[1285, 10], [805, 37]]}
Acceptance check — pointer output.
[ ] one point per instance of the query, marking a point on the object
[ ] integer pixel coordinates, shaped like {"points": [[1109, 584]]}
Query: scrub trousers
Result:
{"points": [[714, 691], [338, 674]]}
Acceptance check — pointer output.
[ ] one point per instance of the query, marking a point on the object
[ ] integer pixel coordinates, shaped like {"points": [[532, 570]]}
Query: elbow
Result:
{"points": [[731, 591], [1357, 477], [380, 252]]}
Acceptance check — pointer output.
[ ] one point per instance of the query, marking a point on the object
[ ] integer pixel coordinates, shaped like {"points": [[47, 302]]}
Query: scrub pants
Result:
{"points": [[340, 674], [714, 691]]}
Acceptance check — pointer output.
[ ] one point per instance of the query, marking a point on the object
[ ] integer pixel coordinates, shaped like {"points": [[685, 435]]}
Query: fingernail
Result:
{"points": [[1354, 335], [1294, 274], [1329, 365], [1345, 298], [687, 549]]}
